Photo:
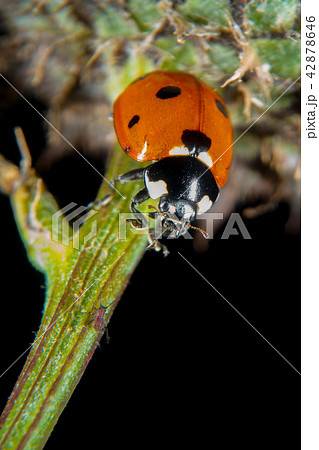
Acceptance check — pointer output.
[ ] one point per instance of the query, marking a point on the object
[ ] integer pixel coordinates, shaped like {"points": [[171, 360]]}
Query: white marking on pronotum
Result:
{"points": [[175, 151], [204, 205], [188, 212], [205, 158], [156, 188]]}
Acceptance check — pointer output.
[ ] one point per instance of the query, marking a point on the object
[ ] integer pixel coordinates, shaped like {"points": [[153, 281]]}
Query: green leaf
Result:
{"points": [[206, 10], [269, 16], [145, 13], [282, 55], [111, 22], [224, 58], [179, 57]]}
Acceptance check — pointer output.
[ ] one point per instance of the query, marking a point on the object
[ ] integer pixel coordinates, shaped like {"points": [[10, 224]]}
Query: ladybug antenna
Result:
{"points": [[158, 212], [203, 232], [156, 209]]}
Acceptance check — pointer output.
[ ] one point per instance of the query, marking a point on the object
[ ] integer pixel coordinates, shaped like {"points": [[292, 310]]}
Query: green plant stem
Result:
{"points": [[76, 279]]}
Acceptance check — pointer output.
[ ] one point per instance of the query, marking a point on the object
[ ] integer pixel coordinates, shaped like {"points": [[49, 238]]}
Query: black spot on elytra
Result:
{"points": [[168, 92], [196, 141], [133, 121], [221, 108], [127, 149]]}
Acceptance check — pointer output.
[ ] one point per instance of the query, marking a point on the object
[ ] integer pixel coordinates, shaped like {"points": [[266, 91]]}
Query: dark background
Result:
{"points": [[182, 367]]}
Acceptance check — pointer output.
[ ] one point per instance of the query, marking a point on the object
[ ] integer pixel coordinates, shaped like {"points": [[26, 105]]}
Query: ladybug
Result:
{"points": [[182, 125]]}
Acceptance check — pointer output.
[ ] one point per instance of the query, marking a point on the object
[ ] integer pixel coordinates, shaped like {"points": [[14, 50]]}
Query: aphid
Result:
{"points": [[98, 320]]}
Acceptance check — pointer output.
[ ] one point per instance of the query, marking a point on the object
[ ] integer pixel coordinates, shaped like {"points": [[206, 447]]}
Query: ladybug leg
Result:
{"points": [[132, 175], [99, 203], [140, 221], [155, 244]]}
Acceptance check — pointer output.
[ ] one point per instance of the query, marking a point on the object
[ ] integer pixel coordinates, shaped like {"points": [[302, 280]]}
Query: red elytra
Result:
{"points": [[154, 113]]}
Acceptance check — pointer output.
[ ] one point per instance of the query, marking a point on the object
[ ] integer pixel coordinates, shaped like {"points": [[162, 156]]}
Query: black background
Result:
{"points": [[182, 367]]}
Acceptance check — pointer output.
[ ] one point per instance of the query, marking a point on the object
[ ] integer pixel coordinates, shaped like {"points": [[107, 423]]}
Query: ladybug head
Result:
{"points": [[177, 214], [181, 209]]}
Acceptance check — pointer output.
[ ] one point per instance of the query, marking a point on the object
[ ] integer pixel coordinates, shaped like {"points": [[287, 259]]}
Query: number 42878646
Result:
{"points": [[310, 42]]}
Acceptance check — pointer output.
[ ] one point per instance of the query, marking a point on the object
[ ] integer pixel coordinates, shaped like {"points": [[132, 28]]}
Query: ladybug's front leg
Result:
{"points": [[155, 244], [132, 175], [140, 222]]}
